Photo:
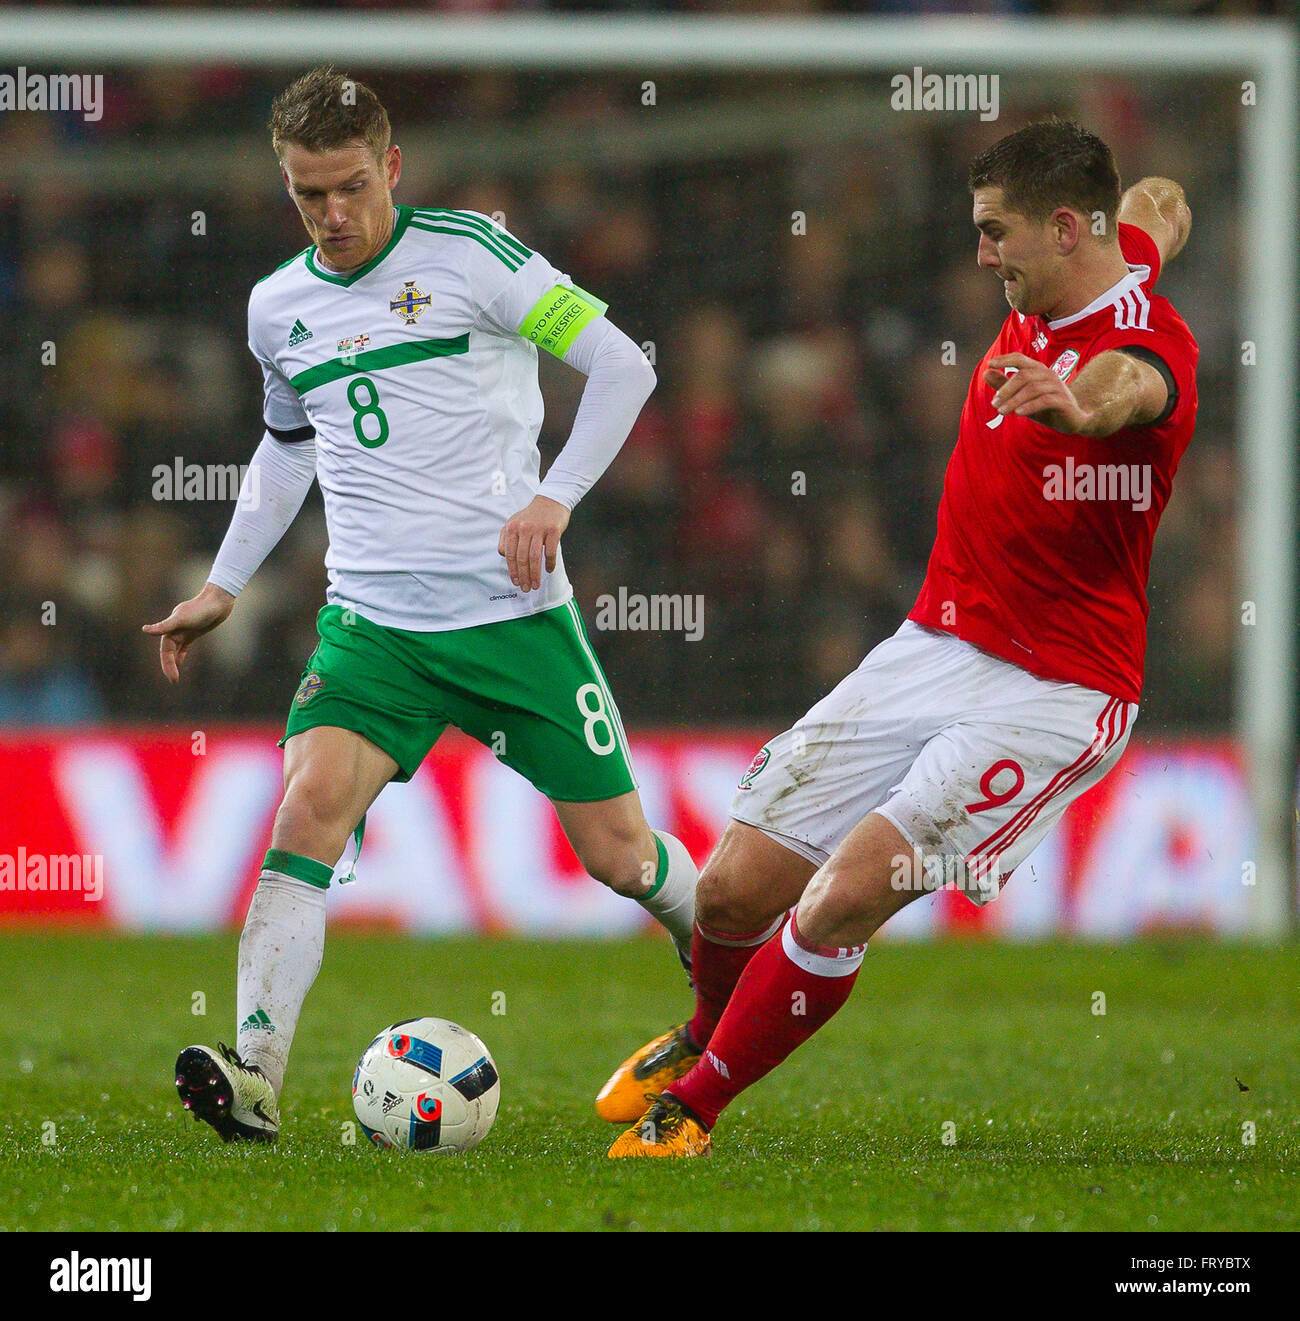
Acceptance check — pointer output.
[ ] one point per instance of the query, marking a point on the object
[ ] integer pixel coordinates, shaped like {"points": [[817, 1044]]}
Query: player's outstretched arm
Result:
{"points": [[270, 496], [1159, 207], [1115, 390]]}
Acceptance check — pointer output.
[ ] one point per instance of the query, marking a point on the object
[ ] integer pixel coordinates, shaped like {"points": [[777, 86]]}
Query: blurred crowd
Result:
{"points": [[787, 469]]}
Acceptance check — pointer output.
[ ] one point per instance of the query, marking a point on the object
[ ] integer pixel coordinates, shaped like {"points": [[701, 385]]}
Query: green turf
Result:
{"points": [[1063, 1119]]}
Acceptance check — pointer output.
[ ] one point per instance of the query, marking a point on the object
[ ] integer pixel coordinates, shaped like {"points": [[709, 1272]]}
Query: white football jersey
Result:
{"points": [[424, 398]]}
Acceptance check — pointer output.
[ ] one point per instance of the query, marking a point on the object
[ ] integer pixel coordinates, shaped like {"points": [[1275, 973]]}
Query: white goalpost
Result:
{"points": [[1261, 52]]}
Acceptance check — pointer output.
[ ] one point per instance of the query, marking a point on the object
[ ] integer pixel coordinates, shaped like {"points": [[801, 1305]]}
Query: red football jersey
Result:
{"points": [[1044, 540]]}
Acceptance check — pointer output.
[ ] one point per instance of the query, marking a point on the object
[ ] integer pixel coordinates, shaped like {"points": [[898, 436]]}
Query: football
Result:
{"points": [[425, 1084]]}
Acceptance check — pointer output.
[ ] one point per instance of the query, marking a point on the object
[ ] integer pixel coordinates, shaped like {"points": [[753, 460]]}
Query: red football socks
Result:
{"points": [[717, 960], [788, 989]]}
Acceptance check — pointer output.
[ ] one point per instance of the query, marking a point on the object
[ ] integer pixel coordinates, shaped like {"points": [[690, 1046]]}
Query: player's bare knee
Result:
{"points": [[622, 858], [726, 904], [313, 817], [831, 901], [315, 799], [848, 900], [625, 875]]}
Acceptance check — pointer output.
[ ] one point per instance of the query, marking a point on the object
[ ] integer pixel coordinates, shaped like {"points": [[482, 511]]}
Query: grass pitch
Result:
{"points": [[965, 1086]]}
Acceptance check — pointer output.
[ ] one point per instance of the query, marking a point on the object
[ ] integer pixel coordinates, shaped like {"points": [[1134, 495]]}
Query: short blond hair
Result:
{"points": [[324, 110]]}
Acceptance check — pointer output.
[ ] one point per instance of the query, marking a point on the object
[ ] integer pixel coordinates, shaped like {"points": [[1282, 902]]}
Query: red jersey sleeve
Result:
{"points": [[1150, 323], [1139, 249]]}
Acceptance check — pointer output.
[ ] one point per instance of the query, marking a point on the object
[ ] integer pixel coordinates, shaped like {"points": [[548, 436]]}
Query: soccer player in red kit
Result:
{"points": [[1013, 684]]}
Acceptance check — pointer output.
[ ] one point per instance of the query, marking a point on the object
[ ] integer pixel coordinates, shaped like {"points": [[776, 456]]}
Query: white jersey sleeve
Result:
{"points": [[539, 303], [274, 487], [505, 297], [524, 295], [619, 381], [282, 408]]}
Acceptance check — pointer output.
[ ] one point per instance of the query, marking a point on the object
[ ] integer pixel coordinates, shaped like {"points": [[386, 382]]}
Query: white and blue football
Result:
{"points": [[426, 1084]]}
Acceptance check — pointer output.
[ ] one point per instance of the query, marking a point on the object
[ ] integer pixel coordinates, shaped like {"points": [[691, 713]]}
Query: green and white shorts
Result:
{"points": [[530, 689]]}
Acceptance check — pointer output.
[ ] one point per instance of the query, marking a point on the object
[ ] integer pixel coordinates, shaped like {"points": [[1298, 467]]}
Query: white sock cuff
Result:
{"points": [[672, 901], [821, 960], [278, 882], [679, 879], [680, 862]]}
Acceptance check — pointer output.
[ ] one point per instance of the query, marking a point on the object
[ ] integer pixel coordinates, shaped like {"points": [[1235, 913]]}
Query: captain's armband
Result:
{"points": [[558, 317]]}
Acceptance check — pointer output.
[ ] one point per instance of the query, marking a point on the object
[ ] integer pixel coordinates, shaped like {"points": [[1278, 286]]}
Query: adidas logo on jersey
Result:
{"points": [[299, 334]]}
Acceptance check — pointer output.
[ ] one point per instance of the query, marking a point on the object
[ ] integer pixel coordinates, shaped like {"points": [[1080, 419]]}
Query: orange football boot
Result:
{"points": [[667, 1129], [641, 1077]]}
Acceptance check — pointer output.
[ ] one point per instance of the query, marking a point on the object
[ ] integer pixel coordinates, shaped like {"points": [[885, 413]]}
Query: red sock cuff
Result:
{"points": [[739, 938]]}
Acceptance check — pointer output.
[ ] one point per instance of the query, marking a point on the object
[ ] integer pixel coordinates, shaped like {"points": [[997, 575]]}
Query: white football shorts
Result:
{"points": [[972, 758]]}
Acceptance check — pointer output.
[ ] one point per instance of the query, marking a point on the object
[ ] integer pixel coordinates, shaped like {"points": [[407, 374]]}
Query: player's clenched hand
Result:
{"points": [[531, 534], [190, 620], [1035, 390]]}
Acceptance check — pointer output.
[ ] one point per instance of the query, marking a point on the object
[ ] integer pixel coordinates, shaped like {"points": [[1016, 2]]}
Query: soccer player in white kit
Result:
{"points": [[1013, 684], [399, 358]]}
